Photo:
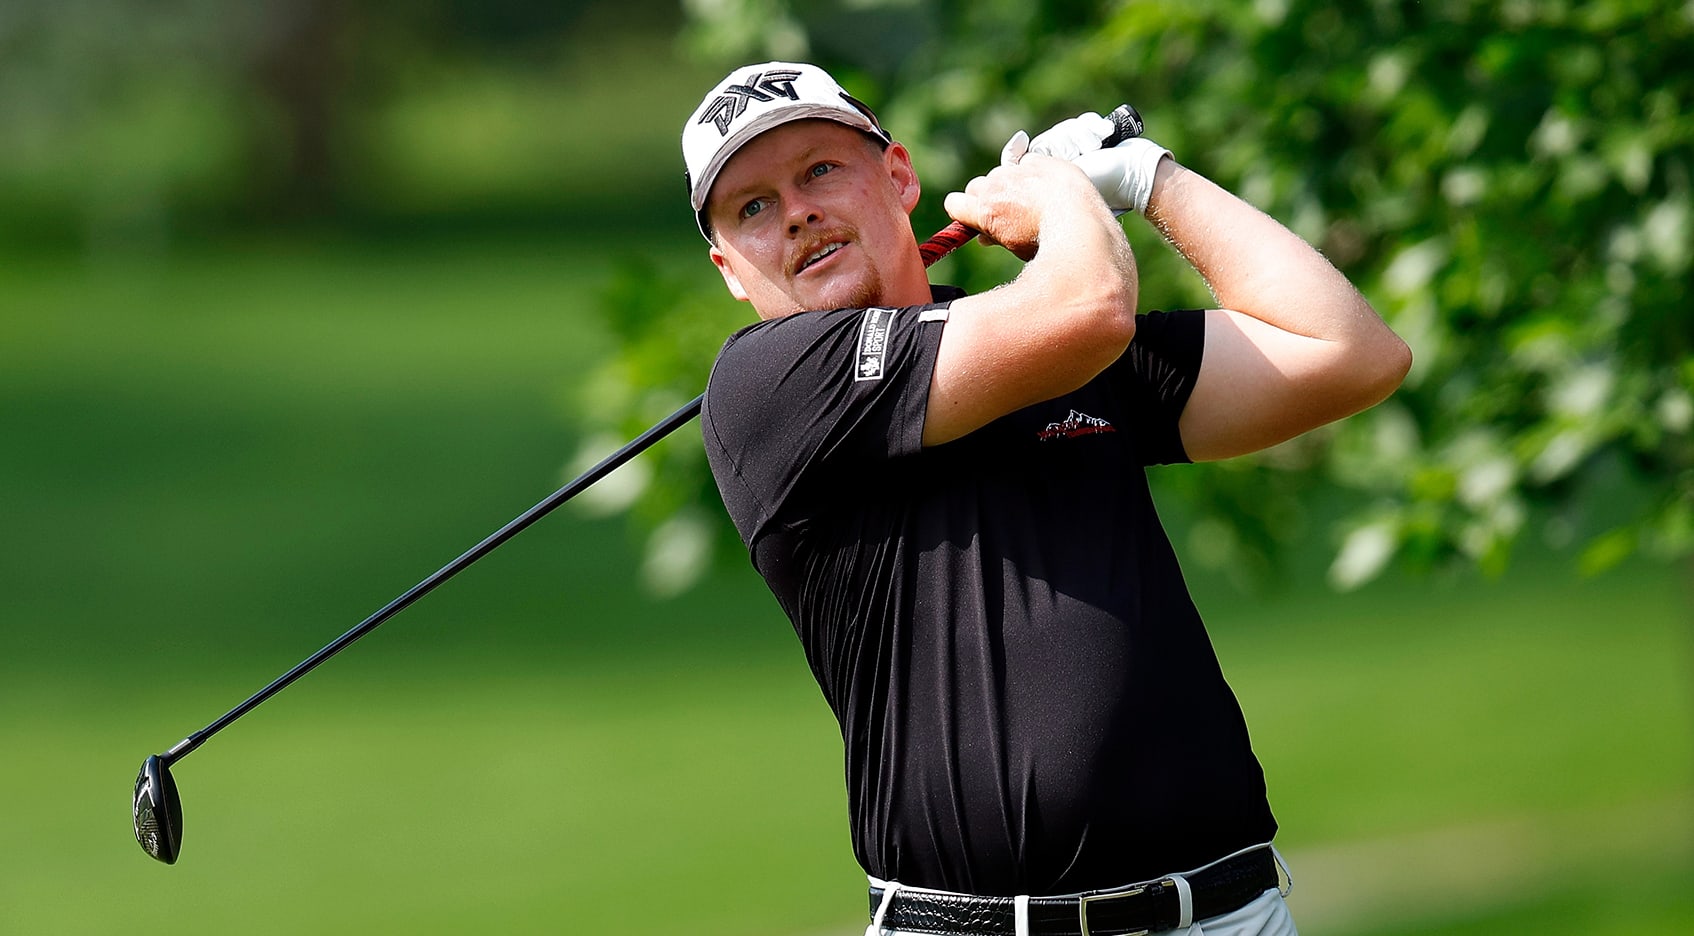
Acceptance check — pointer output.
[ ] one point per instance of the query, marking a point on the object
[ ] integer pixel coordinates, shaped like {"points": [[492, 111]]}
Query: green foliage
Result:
{"points": [[666, 328], [1511, 185]]}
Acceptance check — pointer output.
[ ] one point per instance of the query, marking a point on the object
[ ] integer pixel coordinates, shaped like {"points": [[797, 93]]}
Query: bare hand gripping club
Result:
{"points": [[157, 806], [1126, 123]]}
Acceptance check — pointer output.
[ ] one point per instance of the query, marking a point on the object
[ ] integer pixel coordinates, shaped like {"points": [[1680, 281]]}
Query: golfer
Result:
{"points": [[946, 494]]}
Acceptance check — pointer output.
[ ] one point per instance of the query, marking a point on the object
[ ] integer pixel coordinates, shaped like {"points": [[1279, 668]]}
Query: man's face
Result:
{"points": [[814, 215]]}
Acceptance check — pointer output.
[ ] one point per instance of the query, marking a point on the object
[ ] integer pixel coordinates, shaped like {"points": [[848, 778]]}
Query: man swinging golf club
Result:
{"points": [[946, 494]]}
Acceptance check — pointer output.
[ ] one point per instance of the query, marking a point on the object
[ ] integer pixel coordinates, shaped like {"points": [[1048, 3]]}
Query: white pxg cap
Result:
{"points": [[752, 100]]}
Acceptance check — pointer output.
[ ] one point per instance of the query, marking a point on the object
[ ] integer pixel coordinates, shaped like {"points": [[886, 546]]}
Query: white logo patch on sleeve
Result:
{"points": [[873, 344]]}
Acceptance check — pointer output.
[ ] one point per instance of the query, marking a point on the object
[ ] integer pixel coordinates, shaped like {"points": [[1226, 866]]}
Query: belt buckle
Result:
{"points": [[1086, 899]]}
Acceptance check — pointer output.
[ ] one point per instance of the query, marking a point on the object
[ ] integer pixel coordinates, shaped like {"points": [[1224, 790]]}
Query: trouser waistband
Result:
{"points": [[1154, 906]]}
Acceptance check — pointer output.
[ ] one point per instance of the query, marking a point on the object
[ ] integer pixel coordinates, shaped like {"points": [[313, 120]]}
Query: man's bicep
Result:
{"points": [[970, 378], [994, 360], [1258, 385]]}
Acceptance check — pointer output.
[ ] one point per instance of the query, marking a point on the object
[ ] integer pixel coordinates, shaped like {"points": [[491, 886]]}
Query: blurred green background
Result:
{"points": [[300, 300]]}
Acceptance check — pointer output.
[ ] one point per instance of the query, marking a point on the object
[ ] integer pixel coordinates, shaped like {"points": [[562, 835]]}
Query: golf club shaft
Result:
{"points": [[606, 466], [1128, 124]]}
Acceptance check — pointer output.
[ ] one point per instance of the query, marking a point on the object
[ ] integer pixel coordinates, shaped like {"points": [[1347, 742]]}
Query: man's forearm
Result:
{"points": [[1252, 263], [1293, 345], [1067, 316]]}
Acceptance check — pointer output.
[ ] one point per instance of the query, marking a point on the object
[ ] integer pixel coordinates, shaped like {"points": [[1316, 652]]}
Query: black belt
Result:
{"points": [[1149, 907]]}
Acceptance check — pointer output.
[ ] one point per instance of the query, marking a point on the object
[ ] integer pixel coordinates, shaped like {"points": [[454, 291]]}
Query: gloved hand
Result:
{"points": [[1015, 149], [1069, 139], [1123, 175]]}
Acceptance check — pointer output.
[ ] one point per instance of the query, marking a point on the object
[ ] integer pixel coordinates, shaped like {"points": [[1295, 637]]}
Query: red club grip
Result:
{"points": [[945, 241], [1128, 124]]}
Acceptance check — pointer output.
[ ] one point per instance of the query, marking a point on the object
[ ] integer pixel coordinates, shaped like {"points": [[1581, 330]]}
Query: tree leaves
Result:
{"points": [[1512, 186]]}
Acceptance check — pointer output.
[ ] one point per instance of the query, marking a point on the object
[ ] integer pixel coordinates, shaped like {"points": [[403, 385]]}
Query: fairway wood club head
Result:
{"points": [[158, 811]]}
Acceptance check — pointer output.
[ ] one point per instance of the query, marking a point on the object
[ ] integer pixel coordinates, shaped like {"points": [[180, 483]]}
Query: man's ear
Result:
{"points": [[899, 163], [729, 278]]}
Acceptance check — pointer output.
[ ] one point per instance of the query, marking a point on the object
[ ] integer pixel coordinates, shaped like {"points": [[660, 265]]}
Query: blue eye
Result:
{"points": [[752, 208], [821, 168]]}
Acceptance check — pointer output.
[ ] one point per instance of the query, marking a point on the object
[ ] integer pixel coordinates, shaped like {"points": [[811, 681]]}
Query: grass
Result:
{"points": [[1533, 694], [426, 799], [219, 460]]}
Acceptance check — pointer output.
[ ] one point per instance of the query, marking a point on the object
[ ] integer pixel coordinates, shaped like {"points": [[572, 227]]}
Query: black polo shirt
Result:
{"points": [[1028, 700]]}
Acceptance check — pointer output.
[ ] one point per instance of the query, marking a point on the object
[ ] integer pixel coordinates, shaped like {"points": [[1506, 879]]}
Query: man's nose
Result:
{"points": [[802, 213]]}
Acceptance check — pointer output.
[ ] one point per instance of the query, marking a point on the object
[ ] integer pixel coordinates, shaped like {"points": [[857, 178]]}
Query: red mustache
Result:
{"points": [[801, 255]]}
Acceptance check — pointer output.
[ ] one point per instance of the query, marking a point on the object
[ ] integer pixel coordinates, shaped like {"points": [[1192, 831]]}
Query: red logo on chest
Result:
{"points": [[1074, 426]]}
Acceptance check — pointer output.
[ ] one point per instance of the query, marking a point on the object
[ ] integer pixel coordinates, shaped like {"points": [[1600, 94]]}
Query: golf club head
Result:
{"points": [[158, 811]]}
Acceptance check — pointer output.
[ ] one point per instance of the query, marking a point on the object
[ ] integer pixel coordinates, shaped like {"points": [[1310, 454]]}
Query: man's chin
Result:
{"points": [[820, 296], [858, 294]]}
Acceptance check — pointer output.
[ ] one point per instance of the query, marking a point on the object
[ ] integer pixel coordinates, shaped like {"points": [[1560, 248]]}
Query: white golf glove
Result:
{"points": [[1069, 139], [1015, 149], [1123, 175]]}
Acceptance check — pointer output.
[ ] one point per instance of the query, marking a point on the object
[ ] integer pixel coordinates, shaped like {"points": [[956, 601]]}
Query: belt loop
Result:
{"points": [[1020, 908], [1287, 882], [1185, 900], [888, 892]]}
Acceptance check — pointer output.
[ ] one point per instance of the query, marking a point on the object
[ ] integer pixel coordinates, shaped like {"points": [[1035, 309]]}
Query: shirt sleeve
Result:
{"points": [[1155, 376], [797, 404]]}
